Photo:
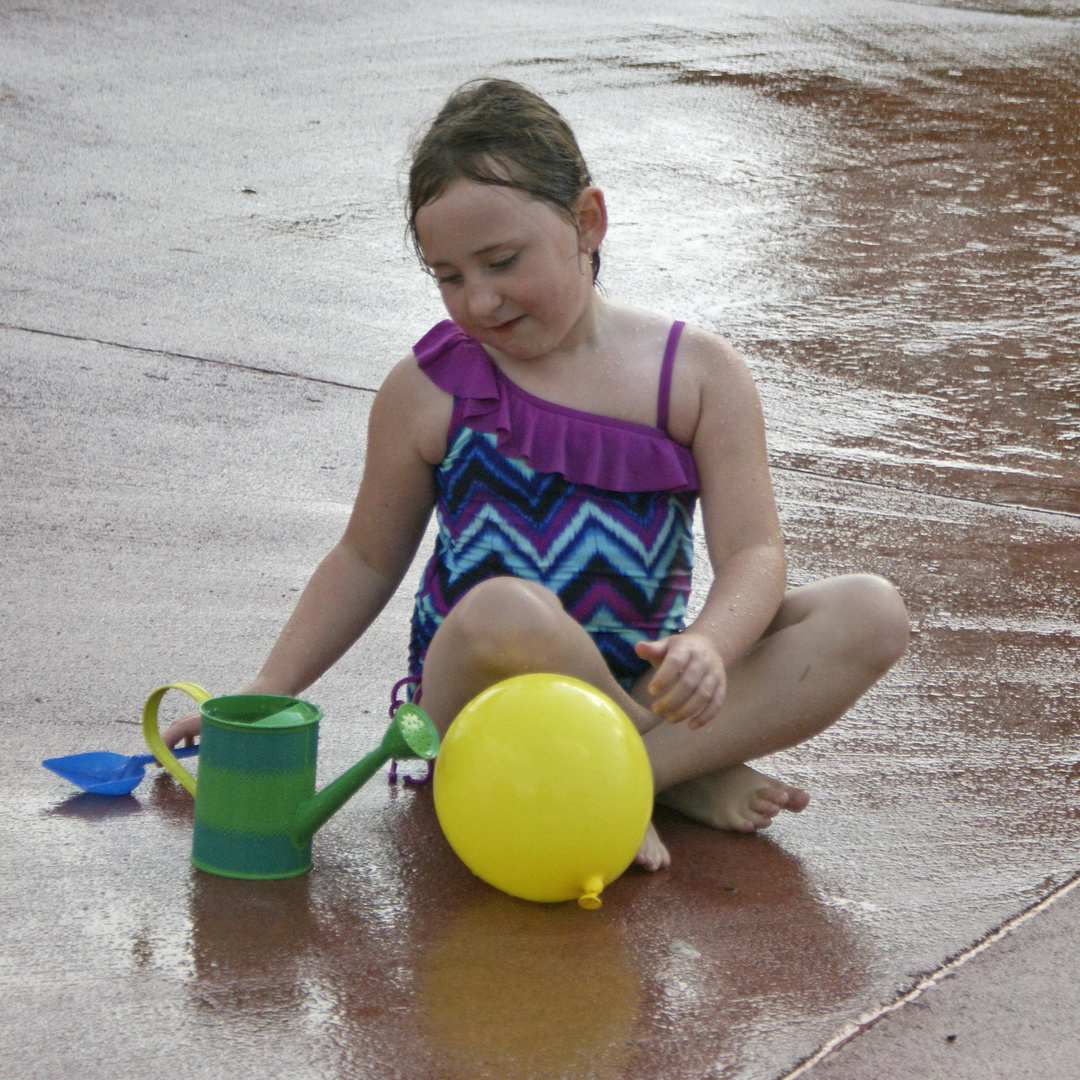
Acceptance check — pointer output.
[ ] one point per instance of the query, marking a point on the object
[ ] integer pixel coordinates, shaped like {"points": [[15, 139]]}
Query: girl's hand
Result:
{"points": [[183, 730], [187, 727], [690, 681]]}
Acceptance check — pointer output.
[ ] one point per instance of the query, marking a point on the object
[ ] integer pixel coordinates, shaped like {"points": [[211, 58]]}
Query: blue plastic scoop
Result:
{"points": [[105, 773]]}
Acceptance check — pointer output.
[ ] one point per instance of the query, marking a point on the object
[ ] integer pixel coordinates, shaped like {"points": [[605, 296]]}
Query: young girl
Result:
{"points": [[564, 441]]}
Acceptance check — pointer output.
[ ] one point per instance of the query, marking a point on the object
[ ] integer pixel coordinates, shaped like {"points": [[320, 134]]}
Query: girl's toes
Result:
{"points": [[765, 806], [653, 853], [752, 821], [798, 800]]}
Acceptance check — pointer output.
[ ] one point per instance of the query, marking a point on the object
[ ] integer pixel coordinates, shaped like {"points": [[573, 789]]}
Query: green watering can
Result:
{"points": [[256, 808]]}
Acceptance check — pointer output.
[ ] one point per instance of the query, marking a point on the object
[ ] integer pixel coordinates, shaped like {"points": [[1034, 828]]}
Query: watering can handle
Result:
{"points": [[153, 738]]}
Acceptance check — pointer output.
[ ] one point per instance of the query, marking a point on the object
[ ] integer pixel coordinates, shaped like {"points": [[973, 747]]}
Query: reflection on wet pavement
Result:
{"points": [[511, 990], [483, 985], [951, 248]]}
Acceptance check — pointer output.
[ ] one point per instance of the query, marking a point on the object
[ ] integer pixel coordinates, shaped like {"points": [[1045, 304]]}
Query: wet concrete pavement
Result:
{"points": [[1010, 1007], [877, 202]]}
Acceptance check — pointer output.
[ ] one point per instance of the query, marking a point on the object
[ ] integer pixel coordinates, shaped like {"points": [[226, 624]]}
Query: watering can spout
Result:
{"points": [[411, 734]]}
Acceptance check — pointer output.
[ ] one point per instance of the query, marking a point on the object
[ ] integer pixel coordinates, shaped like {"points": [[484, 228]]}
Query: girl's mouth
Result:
{"points": [[507, 326]]}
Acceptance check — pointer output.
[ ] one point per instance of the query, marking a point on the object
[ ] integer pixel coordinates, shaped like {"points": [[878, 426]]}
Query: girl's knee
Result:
{"points": [[507, 598], [502, 615], [876, 619]]}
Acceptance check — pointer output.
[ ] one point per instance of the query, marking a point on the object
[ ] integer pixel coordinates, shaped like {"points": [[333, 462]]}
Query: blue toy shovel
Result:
{"points": [[104, 773]]}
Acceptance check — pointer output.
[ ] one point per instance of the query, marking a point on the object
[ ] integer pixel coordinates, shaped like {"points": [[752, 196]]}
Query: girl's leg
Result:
{"points": [[505, 627], [829, 643]]}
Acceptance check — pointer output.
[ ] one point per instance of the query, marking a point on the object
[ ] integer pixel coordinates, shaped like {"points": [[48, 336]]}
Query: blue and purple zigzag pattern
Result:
{"points": [[619, 561]]}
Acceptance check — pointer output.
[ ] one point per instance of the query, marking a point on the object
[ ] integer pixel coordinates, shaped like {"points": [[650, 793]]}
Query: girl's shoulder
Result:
{"points": [[408, 379], [700, 351], [415, 408], [711, 363], [714, 397], [708, 375]]}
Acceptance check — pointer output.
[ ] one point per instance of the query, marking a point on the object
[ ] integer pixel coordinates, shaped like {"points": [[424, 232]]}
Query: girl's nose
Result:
{"points": [[483, 299]]}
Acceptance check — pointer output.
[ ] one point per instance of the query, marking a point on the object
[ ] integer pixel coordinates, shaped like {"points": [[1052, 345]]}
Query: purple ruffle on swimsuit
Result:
{"points": [[598, 510], [582, 447]]}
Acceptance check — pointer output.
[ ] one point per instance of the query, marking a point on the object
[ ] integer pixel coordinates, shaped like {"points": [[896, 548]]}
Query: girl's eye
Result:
{"points": [[505, 264], [447, 279]]}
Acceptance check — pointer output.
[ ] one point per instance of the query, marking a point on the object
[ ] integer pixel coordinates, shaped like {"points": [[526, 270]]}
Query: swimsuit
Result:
{"points": [[598, 510]]}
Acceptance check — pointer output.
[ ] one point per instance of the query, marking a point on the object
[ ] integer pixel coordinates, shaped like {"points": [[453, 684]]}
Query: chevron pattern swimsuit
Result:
{"points": [[597, 509]]}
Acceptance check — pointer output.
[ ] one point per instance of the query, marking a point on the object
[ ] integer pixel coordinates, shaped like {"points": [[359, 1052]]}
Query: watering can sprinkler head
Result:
{"points": [[411, 734]]}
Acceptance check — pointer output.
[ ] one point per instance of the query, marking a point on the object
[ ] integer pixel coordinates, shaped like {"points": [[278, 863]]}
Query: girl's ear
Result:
{"points": [[590, 216]]}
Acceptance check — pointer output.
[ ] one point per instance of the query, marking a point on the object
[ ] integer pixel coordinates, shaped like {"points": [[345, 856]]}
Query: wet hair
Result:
{"points": [[494, 131]]}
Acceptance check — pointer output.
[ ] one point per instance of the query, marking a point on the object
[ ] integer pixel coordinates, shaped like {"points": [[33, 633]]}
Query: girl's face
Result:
{"points": [[513, 272]]}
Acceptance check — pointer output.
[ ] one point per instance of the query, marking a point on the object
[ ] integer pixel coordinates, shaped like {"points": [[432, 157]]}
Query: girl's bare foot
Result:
{"points": [[739, 799], [652, 855]]}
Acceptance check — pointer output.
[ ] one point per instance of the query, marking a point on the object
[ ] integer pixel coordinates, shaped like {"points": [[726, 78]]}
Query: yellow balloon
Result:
{"points": [[544, 789]]}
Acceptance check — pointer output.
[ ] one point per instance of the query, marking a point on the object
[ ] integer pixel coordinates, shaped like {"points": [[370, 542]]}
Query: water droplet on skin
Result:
{"points": [[683, 948]]}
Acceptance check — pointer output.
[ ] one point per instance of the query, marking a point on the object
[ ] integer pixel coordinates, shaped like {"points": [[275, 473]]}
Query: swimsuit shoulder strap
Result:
{"points": [[663, 399]]}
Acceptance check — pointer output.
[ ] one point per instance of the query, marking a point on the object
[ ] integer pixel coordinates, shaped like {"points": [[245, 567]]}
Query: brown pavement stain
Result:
{"points": [[923, 206]]}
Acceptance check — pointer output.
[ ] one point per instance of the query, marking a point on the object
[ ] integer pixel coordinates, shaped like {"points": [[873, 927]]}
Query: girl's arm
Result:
{"points": [[720, 412], [354, 582], [406, 438]]}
